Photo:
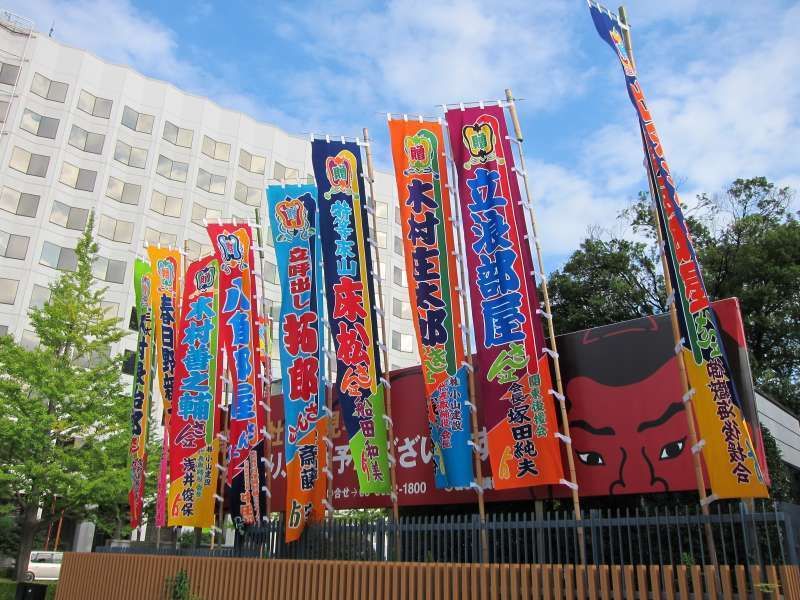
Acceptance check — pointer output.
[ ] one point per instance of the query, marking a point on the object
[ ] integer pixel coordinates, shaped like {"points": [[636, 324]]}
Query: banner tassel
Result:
{"points": [[561, 398], [552, 354], [386, 383], [564, 438], [545, 314]]}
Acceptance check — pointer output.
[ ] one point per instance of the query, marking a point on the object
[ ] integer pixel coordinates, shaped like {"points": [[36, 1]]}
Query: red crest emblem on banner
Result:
{"points": [[292, 219]]}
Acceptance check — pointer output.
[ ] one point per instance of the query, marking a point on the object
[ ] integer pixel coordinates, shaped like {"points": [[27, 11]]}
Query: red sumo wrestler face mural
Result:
{"points": [[628, 423]]}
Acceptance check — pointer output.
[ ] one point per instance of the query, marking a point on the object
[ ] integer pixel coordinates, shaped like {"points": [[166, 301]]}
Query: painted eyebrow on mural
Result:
{"points": [[672, 409], [581, 424]]}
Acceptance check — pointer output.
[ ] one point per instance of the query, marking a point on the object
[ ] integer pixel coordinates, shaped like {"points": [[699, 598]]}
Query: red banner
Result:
{"points": [[195, 421], [513, 372], [233, 245]]}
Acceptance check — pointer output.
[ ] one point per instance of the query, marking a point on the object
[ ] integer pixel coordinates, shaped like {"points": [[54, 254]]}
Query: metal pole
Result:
{"points": [[370, 176], [463, 286], [676, 332], [576, 503], [58, 531], [266, 381]]}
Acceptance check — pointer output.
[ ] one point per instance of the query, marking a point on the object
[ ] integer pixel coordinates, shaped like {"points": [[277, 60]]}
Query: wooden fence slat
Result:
{"points": [[697, 581], [725, 582], [641, 581], [683, 587], [772, 579], [755, 581], [741, 582], [536, 581], [711, 581], [569, 582], [580, 581], [616, 581], [627, 573], [667, 576], [790, 580], [591, 581]]}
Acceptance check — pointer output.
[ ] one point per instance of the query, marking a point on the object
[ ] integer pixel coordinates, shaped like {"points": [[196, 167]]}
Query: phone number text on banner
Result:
{"points": [[293, 213], [729, 453], [195, 421], [513, 375], [350, 298], [421, 174], [233, 245]]}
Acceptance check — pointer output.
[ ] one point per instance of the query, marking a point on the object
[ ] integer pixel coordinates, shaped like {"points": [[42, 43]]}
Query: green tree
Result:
{"points": [[748, 244], [63, 409], [781, 480]]}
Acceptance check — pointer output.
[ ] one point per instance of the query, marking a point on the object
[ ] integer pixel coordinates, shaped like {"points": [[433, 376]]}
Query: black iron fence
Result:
{"points": [[661, 536]]}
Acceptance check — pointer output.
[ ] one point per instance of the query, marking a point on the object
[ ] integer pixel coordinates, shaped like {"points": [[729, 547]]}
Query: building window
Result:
{"points": [[116, 230], [57, 257], [195, 250], [4, 104], [401, 308], [201, 213], [172, 169], [38, 125], [216, 150], [80, 179], [3, 330], [29, 339], [398, 245], [69, 216], [397, 215], [252, 162], [380, 239], [402, 342], [210, 182], [111, 309], [282, 172], [381, 270], [13, 246], [178, 135], [137, 121], [99, 107], [129, 362], [109, 270], [381, 210], [49, 89], [86, 140], [248, 195], [270, 272], [399, 277], [39, 296], [127, 193], [8, 290], [153, 237], [130, 155], [19, 203], [8, 73], [29, 163], [169, 206]]}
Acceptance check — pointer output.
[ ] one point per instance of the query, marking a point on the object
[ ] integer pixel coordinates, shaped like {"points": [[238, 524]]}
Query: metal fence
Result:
{"points": [[662, 536]]}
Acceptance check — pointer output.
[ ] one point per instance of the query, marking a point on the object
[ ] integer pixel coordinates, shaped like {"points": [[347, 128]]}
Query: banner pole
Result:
{"points": [[385, 349], [466, 317], [676, 331], [576, 502], [266, 381]]}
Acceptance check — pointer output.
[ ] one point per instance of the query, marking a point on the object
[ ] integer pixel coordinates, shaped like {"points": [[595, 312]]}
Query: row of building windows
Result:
{"points": [[56, 91]]}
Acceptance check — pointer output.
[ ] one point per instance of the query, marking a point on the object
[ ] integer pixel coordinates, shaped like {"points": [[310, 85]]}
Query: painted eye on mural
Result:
{"points": [[671, 450], [593, 459]]}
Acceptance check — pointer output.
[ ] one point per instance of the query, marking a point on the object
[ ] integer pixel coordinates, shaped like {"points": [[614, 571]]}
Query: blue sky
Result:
{"points": [[722, 80]]}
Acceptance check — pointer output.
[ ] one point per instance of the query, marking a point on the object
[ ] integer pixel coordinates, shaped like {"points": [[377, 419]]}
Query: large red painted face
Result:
{"points": [[631, 439]]}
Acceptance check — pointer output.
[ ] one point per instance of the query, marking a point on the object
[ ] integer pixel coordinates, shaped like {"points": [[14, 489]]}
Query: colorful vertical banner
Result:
{"points": [[165, 269], [350, 296], [142, 383], [513, 377], [233, 245], [729, 454], [195, 420], [293, 214], [421, 173]]}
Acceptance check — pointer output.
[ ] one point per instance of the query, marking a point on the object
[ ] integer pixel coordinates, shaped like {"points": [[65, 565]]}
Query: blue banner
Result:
{"points": [[293, 216], [350, 294]]}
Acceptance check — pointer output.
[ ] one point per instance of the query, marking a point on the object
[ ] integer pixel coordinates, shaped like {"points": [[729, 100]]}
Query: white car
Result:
{"points": [[44, 566]]}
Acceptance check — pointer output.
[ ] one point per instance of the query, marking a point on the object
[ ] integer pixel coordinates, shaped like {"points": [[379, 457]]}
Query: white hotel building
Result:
{"points": [[78, 134]]}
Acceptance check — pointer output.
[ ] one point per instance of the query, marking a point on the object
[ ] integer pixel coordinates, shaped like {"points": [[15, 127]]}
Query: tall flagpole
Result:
{"points": [[370, 177], [266, 381], [548, 316], [466, 318], [673, 314]]}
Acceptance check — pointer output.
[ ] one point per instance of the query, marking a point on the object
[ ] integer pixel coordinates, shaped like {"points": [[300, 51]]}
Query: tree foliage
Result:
{"points": [[63, 408], [748, 243]]}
